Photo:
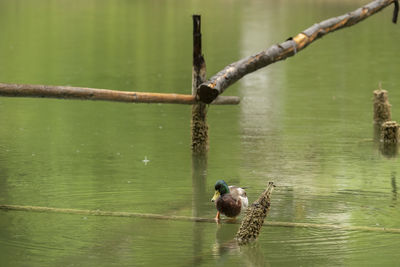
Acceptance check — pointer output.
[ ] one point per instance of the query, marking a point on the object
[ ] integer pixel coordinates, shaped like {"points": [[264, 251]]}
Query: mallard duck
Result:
{"points": [[229, 200]]}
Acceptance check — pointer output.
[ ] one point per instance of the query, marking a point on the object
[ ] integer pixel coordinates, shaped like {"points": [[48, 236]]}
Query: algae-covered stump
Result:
{"points": [[390, 132], [381, 107], [254, 218]]}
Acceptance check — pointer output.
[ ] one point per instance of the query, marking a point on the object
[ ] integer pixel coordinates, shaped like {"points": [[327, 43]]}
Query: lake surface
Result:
{"points": [[304, 123]]}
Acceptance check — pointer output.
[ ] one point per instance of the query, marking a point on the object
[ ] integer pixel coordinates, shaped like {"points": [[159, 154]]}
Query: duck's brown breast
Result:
{"points": [[228, 206]]}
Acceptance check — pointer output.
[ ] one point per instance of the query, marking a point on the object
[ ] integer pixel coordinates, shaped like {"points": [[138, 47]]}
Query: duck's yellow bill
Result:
{"points": [[216, 196]]}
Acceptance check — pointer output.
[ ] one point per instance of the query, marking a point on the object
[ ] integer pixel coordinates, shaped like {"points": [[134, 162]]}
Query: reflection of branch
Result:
{"points": [[192, 219], [217, 84]]}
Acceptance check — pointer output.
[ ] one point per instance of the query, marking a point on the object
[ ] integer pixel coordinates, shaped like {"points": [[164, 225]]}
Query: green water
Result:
{"points": [[304, 123]]}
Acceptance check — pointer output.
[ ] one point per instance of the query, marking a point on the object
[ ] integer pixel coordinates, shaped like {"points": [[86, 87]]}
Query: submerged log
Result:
{"points": [[217, 84], [6, 208], [83, 93], [199, 110], [381, 107], [254, 218]]}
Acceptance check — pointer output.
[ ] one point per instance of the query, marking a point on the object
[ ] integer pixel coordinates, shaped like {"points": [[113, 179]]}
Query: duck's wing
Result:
{"points": [[239, 193]]}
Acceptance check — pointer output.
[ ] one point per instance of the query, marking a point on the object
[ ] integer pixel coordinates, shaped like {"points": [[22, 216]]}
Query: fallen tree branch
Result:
{"points": [[82, 93], [191, 219], [217, 84]]}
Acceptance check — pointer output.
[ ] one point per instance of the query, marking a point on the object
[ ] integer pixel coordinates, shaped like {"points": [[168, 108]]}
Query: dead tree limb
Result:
{"points": [[199, 110], [217, 84], [6, 208], [82, 93], [254, 218]]}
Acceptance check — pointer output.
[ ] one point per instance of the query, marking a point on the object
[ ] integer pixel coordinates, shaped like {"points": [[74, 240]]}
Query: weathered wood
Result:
{"points": [[199, 110], [254, 218], [82, 93], [390, 132], [217, 84], [6, 208], [395, 11], [381, 107]]}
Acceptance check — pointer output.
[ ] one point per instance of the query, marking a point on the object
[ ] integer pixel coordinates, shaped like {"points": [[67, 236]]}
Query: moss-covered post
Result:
{"points": [[199, 110], [389, 139], [381, 107], [390, 132], [382, 111], [254, 218]]}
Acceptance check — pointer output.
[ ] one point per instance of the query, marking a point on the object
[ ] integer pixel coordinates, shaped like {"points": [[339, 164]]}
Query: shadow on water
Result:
{"points": [[394, 188]]}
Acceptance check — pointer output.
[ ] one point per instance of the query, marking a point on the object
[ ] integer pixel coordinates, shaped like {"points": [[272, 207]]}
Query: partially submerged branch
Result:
{"points": [[82, 93], [191, 219], [217, 84], [254, 218]]}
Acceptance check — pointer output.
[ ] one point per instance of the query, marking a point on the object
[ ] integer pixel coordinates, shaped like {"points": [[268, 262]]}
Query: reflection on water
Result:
{"points": [[199, 207], [302, 123], [199, 182], [389, 150], [394, 188], [225, 246]]}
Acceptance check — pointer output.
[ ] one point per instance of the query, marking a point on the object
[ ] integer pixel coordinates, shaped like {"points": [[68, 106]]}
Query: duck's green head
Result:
{"points": [[221, 188]]}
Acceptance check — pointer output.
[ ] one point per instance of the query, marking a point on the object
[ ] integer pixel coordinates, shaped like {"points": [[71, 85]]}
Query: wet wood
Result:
{"points": [[254, 218], [199, 125], [390, 132], [382, 111], [217, 84], [190, 219], [83, 93]]}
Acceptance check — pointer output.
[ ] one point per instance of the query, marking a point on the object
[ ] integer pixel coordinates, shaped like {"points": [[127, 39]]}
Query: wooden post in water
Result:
{"points": [[381, 107], [199, 110], [389, 139], [381, 111], [390, 132], [254, 218]]}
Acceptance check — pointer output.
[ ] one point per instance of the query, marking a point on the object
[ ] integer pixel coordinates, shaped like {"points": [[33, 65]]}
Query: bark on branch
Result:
{"points": [[7, 208], [69, 92], [199, 125], [217, 84]]}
